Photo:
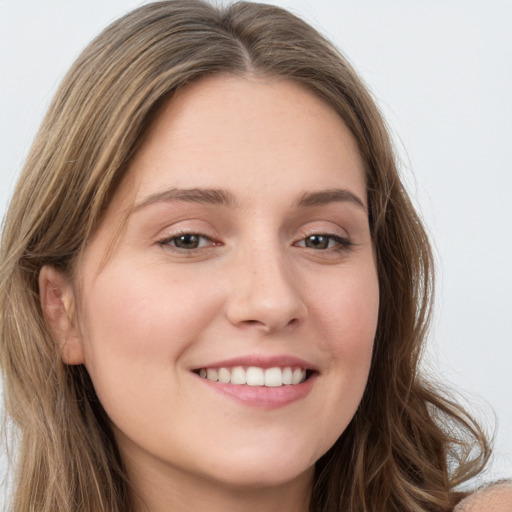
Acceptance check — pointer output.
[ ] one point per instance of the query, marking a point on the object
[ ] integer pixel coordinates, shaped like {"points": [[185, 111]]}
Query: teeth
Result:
{"points": [[238, 375], [224, 375], [211, 374], [287, 375], [255, 376], [273, 377], [298, 375]]}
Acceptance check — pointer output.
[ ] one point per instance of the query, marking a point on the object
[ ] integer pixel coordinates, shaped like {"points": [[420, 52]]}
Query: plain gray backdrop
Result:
{"points": [[441, 72]]}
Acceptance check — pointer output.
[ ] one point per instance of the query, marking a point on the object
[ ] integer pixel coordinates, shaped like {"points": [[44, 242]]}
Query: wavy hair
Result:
{"points": [[408, 445]]}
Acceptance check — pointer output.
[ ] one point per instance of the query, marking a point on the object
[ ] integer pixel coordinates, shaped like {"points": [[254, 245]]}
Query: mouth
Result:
{"points": [[255, 376]]}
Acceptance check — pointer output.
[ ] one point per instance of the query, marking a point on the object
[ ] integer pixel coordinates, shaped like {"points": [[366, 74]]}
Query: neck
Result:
{"points": [[164, 489]]}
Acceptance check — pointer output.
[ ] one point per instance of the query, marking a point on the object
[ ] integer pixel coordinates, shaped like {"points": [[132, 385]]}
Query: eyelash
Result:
{"points": [[169, 240], [343, 244]]}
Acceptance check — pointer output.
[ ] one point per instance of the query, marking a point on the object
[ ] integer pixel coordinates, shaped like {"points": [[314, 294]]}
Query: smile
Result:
{"points": [[255, 375]]}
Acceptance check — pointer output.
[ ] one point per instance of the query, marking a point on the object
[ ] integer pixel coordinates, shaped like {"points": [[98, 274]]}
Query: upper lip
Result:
{"points": [[261, 362]]}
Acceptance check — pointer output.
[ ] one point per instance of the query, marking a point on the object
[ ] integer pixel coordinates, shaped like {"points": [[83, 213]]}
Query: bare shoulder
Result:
{"points": [[493, 498]]}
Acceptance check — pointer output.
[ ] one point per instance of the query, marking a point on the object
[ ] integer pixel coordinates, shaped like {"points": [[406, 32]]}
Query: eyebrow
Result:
{"points": [[211, 196], [221, 197], [332, 195]]}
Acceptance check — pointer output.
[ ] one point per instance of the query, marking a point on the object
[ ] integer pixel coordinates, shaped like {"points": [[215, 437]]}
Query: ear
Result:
{"points": [[58, 304]]}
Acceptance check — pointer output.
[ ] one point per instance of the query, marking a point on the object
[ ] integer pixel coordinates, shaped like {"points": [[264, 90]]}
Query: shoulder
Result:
{"points": [[493, 498]]}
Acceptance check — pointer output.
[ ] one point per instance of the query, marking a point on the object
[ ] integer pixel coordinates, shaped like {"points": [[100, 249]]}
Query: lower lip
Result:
{"points": [[263, 396]]}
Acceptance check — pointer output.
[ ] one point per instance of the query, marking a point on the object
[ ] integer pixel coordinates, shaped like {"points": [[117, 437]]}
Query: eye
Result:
{"points": [[186, 241], [324, 241]]}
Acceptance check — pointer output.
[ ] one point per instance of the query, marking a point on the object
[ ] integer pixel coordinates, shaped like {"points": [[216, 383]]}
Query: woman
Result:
{"points": [[208, 246]]}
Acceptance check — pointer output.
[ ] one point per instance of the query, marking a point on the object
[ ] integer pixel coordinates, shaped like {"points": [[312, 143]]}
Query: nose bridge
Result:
{"points": [[264, 293]]}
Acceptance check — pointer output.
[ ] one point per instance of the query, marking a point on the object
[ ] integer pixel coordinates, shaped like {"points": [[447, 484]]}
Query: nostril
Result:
{"points": [[252, 323], [269, 326]]}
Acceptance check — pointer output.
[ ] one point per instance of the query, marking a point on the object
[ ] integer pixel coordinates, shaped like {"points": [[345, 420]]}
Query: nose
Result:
{"points": [[264, 292]]}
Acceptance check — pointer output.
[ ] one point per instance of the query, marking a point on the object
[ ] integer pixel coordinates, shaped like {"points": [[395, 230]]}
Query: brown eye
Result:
{"points": [[188, 241], [317, 241], [325, 242]]}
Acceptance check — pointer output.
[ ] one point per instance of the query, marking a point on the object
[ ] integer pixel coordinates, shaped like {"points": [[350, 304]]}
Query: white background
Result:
{"points": [[441, 72]]}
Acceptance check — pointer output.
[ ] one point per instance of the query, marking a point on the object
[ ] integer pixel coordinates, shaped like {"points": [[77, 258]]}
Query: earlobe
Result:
{"points": [[58, 305]]}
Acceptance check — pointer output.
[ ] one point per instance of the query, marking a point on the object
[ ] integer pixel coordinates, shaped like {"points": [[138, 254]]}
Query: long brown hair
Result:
{"points": [[408, 445]]}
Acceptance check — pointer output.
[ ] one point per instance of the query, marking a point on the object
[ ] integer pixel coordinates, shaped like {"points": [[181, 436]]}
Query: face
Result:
{"points": [[229, 331]]}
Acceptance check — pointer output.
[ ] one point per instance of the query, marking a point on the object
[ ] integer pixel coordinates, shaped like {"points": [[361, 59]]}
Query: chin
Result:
{"points": [[250, 470], [264, 478]]}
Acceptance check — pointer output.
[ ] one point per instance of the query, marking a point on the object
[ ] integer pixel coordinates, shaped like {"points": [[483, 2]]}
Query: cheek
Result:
{"points": [[348, 319], [138, 317], [349, 314]]}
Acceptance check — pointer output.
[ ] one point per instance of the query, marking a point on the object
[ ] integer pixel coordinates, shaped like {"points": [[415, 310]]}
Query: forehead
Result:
{"points": [[236, 132]]}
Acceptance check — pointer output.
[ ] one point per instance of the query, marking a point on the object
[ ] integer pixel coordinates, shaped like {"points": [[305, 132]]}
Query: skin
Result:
{"points": [[495, 498], [256, 286]]}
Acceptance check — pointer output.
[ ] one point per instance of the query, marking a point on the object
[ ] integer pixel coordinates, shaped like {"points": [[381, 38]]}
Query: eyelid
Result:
{"points": [[344, 243], [325, 227], [166, 240]]}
